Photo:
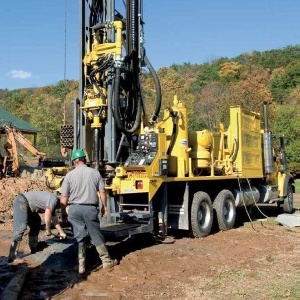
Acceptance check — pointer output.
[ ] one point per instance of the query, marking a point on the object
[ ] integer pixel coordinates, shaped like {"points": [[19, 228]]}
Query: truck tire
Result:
{"points": [[201, 215], [288, 202], [224, 206]]}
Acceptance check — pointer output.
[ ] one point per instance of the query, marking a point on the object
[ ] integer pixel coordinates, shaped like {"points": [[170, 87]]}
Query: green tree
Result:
{"points": [[287, 123]]}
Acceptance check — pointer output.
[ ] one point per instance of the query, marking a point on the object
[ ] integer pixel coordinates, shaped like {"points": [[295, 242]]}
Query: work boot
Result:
{"points": [[13, 251], [107, 261], [81, 257], [33, 243]]}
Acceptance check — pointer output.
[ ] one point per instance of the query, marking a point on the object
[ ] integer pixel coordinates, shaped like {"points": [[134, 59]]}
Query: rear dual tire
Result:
{"points": [[225, 208], [201, 215], [202, 212]]}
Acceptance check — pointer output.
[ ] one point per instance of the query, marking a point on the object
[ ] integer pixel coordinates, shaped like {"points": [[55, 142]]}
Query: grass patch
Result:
{"points": [[288, 291], [297, 186], [240, 294], [223, 275]]}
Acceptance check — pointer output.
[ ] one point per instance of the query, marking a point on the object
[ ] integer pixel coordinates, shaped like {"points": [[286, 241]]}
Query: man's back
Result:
{"points": [[39, 200], [82, 185]]}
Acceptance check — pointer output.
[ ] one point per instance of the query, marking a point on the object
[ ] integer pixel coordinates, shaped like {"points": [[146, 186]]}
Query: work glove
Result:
{"points": [[62, 235]]}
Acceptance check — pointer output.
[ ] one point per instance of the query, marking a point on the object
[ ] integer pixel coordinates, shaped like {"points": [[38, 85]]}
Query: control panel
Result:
{"points": [[145, 151]]}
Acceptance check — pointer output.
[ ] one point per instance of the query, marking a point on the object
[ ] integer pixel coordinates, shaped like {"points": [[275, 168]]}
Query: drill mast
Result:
{"points": [[111, 103]]}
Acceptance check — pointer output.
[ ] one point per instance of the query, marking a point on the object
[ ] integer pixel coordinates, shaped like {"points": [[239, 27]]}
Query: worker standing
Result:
{"points": [[27, 207], [80, 190]]}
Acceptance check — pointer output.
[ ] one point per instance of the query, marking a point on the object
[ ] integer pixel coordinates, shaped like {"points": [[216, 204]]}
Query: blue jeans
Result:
{"points": [[85, 222], [23, 217]]}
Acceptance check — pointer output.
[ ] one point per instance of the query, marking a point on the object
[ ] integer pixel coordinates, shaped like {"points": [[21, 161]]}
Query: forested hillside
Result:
{"points": [[207, 89]]}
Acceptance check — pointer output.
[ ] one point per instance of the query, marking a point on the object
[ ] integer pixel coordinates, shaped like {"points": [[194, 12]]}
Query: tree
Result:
{"points": [[208, 72], [277, 85], [287, 123], [207, 105], [230, 71]]}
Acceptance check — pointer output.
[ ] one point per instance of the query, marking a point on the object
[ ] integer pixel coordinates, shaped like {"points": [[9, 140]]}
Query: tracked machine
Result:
{"points": [[159, 176]]}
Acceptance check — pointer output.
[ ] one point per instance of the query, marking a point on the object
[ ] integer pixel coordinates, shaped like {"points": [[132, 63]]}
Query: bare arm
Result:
{"points": [[48, 216], [103, 199], [54, 219], [58, 227], [56, 223], [63, 203]]}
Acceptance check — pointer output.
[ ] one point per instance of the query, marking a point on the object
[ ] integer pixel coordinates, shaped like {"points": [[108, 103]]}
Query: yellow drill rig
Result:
{"points": [[160, 176]]}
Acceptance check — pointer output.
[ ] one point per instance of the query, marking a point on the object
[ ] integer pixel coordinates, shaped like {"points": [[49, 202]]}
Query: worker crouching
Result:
{"points": [[27, 207]]}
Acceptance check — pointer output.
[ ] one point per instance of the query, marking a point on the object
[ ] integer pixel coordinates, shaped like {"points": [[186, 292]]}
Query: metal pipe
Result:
{"points": [[266, 117], [140, 33], [81, 134], [76, 128], [133, 27], [116, 98], [267, 145], [110, 138], [96, 148]]}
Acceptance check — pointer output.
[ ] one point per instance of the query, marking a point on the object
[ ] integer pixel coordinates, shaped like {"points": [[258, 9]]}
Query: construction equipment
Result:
{"points": [[158, 175], [10, 162]]}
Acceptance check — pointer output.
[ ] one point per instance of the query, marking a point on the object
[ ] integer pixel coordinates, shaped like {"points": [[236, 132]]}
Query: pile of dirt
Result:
{"points": [[9, 189]]}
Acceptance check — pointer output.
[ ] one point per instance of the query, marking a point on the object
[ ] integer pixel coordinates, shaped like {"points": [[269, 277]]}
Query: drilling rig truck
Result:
{"points": [[159, 176]]}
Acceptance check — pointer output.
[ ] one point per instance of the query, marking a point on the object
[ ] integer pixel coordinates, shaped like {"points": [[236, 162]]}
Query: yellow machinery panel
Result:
{"points": [[244, 134]]}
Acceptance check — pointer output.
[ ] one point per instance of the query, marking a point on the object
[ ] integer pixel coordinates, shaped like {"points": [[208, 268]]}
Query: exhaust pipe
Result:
{"points": [[268, 146]]}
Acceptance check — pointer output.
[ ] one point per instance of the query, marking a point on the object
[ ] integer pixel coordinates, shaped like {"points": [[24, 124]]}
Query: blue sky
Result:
{"points": [[190, 31]]}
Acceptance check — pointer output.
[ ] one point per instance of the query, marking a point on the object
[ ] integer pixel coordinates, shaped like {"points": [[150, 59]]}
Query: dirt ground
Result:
{"points": [[258, 259]]}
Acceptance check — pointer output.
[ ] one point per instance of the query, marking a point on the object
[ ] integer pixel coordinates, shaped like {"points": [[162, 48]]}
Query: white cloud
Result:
{"points": [[19, 74]]}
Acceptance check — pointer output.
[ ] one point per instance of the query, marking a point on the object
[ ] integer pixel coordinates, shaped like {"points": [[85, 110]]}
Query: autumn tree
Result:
{"points": [[230, 71], [207, 106]]}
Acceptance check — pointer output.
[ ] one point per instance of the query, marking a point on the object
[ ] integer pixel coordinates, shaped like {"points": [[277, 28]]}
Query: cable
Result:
{"points": [[255, 201], [242, 195], [248, 181]]}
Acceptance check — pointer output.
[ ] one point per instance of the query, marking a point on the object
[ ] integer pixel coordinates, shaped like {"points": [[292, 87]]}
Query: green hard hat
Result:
{"points": [[78, 153]]}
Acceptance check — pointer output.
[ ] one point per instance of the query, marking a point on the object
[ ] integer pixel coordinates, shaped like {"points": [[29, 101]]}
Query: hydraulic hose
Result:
{"points": [[157, 87], [116, 99], [128, 120], [137, 107], [142, 97], [172, 142]]}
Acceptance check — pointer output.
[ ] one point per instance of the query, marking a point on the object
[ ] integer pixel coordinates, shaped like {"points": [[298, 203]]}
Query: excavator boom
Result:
{"points": [[10, 163], [26, 143]]}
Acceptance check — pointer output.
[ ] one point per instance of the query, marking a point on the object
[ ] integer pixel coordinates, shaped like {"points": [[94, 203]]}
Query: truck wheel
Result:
{"points": [[201, 214], [288, 202], [224, 206]]}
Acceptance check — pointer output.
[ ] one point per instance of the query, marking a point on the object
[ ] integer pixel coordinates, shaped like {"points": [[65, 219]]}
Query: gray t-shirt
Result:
{"points": [[82, 184], [39, 200]]}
